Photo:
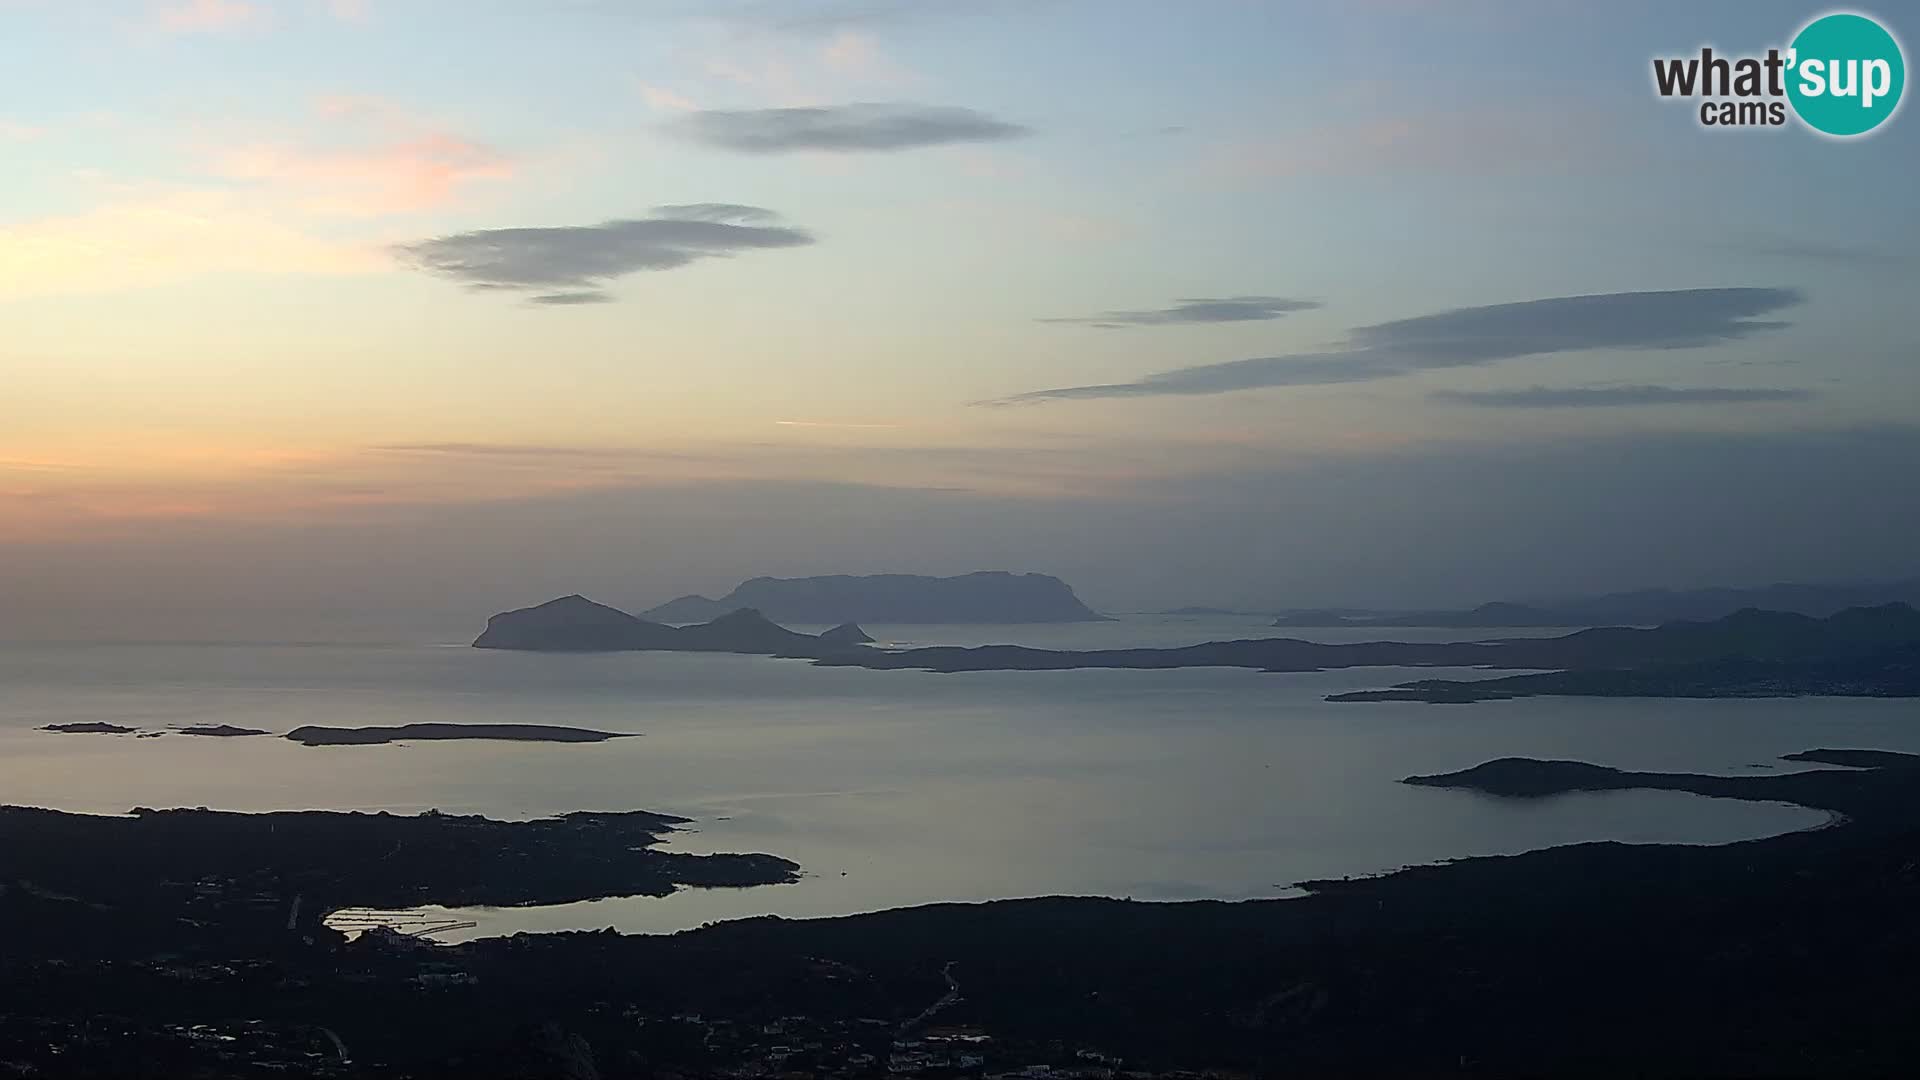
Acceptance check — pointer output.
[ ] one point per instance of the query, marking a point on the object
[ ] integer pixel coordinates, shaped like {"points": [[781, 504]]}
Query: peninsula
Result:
{"points": [[192, 880], [1892, 673]]}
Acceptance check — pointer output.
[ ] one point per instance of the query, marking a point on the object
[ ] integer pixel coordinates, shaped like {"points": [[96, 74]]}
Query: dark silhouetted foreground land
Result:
{"points": [[1789, 956], [201, 880]]}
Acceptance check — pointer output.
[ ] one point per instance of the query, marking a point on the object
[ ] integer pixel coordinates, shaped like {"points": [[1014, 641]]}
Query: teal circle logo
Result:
{"points": [[1845, 74]]}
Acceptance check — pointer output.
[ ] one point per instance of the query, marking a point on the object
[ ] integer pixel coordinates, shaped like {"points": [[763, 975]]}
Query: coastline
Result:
{"points": [[1406, 972]]}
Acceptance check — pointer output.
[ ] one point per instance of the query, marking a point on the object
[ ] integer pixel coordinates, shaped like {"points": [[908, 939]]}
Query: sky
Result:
{"points": [[368, 318]]}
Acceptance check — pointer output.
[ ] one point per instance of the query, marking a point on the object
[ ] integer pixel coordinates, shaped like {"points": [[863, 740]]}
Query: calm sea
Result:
{"points": [[896, 788]]}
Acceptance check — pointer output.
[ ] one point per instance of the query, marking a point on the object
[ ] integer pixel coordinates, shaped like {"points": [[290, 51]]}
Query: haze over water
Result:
{"points": [[897, 788]]}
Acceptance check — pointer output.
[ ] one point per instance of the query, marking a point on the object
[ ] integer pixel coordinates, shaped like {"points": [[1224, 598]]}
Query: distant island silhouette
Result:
{"points": [[1868, 651], [219, 731], [577, 624], [1495, 614], [847, 633], [94, 727], [315, 735], [986, 596], [1640, 607], [1859, 651]]}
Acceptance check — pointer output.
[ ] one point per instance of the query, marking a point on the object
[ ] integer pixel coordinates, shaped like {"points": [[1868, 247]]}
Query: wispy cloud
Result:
{"points": [[1678, 319], [1197, 310], [572, 264], [572, 299], [661, 99], [15, 131], [1851, 256], [827, 16], [356, 156], [736, 64], [413, 174], [252, 205], [855, 128], [856, 54], [1602, 397], [1479, 141], [209, 16], [528, 450]]}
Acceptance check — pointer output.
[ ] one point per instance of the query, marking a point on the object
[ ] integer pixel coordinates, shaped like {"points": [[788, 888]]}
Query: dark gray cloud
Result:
{"points": [[1197, 310], [856, 128], [570, 299], [572, 264], [1599, 397], [1677, 319]]}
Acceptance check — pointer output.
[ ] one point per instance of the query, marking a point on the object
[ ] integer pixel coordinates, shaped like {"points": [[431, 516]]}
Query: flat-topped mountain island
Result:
{"points": [[985, 596]]}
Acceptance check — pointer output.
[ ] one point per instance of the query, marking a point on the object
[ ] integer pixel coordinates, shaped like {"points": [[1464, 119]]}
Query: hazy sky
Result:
{"points": [[374, 316]]}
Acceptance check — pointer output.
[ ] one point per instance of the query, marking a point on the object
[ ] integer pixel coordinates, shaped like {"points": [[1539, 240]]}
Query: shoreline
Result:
{"points": [[1645, 951]]}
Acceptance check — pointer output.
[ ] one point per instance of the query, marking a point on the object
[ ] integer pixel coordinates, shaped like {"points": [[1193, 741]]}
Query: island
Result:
{"points": [[1864, 787], [94, 727], [1640, 607], [577, 624], [846, 634], [987, 596], [315, 735], [1857, 651]]}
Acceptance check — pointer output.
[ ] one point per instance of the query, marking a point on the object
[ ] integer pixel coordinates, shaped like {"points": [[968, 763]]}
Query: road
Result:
{"points": [[952, 995]]}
